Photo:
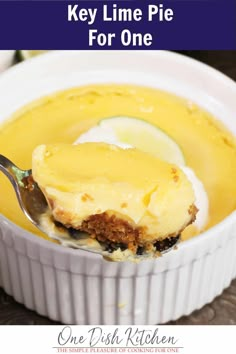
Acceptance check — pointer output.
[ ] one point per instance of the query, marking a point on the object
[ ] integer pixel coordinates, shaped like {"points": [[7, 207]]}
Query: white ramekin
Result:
{"points": [[80, 288]]}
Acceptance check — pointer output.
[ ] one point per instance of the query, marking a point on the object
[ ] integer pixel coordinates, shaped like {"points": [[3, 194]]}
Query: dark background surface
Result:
{"points": [[222, 311]]}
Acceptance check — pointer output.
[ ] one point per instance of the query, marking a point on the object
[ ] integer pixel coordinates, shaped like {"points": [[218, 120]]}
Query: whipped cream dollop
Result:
{"points": [[107, 135], [201, 198], [102, 134]]}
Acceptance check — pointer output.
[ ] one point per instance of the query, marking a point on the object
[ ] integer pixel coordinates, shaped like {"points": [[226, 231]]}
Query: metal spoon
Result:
{"points": [[35, 207]]}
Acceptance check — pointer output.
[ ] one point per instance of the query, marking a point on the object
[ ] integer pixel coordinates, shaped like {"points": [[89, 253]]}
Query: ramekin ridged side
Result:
{"points": [[75, 288]]}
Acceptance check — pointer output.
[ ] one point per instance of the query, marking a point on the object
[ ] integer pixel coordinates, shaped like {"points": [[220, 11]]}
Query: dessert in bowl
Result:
{"points": [[50, 278]]}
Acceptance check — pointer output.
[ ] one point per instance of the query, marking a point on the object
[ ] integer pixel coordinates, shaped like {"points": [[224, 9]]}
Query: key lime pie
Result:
{"points": [[118, 196], [132, 167]]}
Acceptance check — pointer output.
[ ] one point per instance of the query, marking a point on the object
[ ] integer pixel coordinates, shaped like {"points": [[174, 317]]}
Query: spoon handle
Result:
{"points": [[9, 169], [16, 176]]}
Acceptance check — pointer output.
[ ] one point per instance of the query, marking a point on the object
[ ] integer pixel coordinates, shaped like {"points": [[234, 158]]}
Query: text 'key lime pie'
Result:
{"points": [[131, 201]]}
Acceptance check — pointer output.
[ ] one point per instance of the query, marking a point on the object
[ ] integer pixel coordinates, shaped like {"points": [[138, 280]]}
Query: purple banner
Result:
{"points": [[176, 24]]}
